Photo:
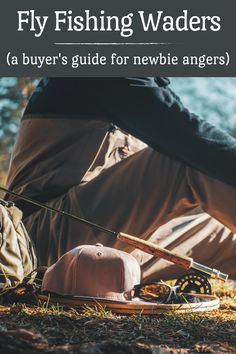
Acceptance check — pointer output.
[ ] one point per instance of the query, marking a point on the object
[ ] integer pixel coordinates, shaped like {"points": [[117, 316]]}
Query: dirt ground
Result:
{"points": [[51, 329]]}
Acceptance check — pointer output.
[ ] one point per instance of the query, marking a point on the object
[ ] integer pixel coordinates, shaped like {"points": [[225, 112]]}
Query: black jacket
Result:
{"points": [[147, 109]]}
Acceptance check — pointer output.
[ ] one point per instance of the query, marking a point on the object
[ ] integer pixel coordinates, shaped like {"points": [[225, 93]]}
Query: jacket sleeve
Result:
{"points": [[148, 109]]}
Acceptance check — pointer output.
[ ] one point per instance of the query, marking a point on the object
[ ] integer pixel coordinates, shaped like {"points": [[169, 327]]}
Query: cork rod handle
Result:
{"points": [[151, 248]]}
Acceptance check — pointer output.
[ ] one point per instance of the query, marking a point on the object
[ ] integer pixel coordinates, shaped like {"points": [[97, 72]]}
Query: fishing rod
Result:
{"points": [[62, 212], [145, 246]]}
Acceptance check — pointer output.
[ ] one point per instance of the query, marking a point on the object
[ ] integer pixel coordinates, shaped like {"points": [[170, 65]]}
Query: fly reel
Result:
{"points": [[195, 283]]}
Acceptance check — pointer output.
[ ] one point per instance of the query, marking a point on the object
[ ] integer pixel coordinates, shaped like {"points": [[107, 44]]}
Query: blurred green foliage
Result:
{"points": [[212, 98], [14, 94]]}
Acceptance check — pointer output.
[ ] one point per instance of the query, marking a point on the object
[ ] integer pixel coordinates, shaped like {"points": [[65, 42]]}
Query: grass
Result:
{"points": [[51, 329]]}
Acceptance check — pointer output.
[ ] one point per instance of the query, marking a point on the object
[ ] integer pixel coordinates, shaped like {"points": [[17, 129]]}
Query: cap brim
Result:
{"points": [[208, 303]]}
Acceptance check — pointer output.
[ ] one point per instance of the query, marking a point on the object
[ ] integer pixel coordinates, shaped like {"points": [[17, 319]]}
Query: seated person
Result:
{"points": [[126, 154]]}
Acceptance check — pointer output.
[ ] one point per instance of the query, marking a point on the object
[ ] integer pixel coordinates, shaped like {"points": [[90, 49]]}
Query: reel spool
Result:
{"points": [[195, 283]]}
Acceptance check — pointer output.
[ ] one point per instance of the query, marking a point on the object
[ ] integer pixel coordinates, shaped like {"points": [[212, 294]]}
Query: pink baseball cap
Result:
{"points": [[94, 271]]}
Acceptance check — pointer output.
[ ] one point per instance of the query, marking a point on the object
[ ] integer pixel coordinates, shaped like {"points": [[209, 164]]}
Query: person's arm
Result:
{"points": [[149, 110]]}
